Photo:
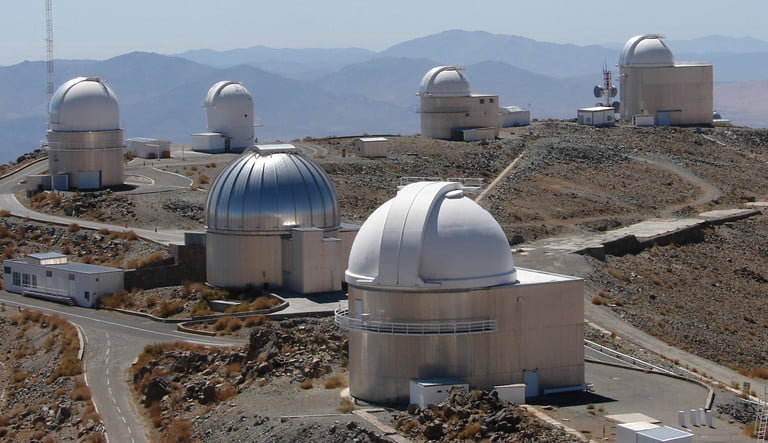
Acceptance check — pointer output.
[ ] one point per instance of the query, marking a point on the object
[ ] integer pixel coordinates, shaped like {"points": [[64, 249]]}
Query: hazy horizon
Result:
{"points": [[86, 29]]}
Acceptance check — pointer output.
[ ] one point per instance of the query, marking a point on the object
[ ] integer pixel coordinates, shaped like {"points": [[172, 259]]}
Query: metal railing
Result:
{"points": [[437, 327], [624, 357]]}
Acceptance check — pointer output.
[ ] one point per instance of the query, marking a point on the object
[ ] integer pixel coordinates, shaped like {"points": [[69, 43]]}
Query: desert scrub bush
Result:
{"points": [[225, 392], [759, 372], [469, 431], [19, 376], [74, 227], [9, 252], [345, 405], [597, 300], [150, 301], [155, 414], [123, 235], [167, 308], [306, 384], [255, 321], [5, 213], [618, 275], [179, 431], [154, 259], [200, 309], [335, 381], [202, 180], [116, 300], [227, 324]]}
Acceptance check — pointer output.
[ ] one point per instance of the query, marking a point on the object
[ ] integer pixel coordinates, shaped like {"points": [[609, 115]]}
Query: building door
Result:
{"points": [[531, 380], [663, 118]]}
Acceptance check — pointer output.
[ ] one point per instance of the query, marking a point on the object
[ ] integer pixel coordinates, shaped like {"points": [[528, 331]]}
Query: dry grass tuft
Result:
{"points": [[335, 381]]}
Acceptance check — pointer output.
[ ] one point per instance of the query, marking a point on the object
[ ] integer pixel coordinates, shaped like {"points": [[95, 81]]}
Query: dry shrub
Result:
{"points": [[19, 376], [240, 307], [103, 231], [4, 419], [155, 414], [618, 275], [120, 299], [225, 393], [74, 227], [335, 381], [759, 372], [9, 252], [150, 301], [168, 308], [749, 430], [154, 259], [81, 393], [200, 308], [306, 384], [345, 405], [233, 369], [597, 300], [203, 180], [256, 320], [228, 324], [469, 431], [5, 213], [409, 425], [96, 437], [178, 431], [263, 303]]}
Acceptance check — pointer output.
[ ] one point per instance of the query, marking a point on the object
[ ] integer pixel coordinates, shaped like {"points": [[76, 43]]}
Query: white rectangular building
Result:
{"points": [[511, 116], [596, 116], [149, 147], [432, 391], [51, 276], [209, 142], [372, 147]]}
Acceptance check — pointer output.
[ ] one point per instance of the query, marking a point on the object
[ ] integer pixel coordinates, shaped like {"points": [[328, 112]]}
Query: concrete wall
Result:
{"points": [[72, 152], [539, 326], [441, 116], [687, 88], [236, 260], [314, 263]]}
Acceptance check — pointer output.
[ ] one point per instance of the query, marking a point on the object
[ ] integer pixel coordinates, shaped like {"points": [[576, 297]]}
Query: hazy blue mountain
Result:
{"points": [[301, 64], [162, 97], [717, 44], [465, 48]]}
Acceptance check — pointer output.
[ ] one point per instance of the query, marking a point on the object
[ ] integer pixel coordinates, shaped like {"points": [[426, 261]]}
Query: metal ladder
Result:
{"points": [[761, 422]]}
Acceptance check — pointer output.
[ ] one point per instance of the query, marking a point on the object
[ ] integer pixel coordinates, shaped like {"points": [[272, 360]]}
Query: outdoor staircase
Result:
{"points": [[761, 423]]}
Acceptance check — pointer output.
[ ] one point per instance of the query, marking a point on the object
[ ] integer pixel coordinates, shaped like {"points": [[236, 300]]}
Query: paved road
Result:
{"points": [[112, 342]]}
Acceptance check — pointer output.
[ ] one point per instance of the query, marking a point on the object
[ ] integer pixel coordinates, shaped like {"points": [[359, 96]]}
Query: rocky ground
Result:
{"points": [[706, 297], [42, 396]]}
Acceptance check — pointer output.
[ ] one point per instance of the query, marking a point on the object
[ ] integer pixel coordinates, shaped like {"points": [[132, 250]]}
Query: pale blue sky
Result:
{"points": [[99, 29]]}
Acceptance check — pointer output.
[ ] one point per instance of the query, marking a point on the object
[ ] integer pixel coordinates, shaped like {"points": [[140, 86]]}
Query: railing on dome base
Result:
{"points": [[435, 327]]}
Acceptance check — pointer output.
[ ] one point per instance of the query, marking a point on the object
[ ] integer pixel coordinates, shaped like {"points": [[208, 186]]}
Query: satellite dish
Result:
{"points": [[615, 106], [614, 91], [598, 91]]}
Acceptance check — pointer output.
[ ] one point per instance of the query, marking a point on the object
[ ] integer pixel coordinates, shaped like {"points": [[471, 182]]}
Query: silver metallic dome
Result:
{"points": [[271, 189], [445, 81]]}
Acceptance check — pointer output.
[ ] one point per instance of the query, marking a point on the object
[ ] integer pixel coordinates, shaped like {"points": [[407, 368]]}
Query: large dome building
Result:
{"points": [[434, 293], [272, 220], [85, 141], [652, 82], [450, 111], [229, 117]]}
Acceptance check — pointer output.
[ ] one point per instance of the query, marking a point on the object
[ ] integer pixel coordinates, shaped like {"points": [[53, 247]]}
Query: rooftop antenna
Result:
{"points": [[49, 47]]}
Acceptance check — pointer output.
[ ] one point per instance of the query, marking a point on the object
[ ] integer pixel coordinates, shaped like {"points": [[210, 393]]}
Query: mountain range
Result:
{"points": [[350, 91]]}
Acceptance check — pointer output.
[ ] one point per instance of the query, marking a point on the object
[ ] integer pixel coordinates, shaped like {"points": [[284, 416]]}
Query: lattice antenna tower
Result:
{"points": [[49, 47]]}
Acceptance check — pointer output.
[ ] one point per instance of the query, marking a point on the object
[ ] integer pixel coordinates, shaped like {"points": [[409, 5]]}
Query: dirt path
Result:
{"points": [[709, 191]]}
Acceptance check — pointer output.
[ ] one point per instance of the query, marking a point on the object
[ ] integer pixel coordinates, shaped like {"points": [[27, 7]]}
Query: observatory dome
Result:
{"points": [[228, 94], [84, 104], [445, 81], [271, 190], [646, 50], [430, 236]]}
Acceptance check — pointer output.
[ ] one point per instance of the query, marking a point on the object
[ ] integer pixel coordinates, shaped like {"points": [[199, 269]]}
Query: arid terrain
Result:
{"points": [[706, 297]]}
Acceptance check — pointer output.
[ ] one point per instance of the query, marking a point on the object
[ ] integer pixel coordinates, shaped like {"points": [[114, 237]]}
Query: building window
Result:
{"points": [[87, 296], [16, 279], [490, 100], [7, 269], [25, 280], [72, 277], [482, 100], [48, 273], [34, 280]]}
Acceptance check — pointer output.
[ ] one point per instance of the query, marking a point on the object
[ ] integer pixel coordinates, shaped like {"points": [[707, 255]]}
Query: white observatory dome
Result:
{"points": [[228, 94], [273, 189], [646, 50], [445, 81], [430, 236], [84, 104]]}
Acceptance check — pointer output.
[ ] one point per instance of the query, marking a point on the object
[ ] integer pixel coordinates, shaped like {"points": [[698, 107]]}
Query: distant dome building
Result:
{"points": [[272, 220], [651, 82], [450, 111], [229, 116], [434, 293], [85, 141]]}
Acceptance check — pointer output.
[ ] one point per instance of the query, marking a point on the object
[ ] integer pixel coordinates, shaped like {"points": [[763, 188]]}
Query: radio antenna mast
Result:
{"points": [[49, 47]]}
